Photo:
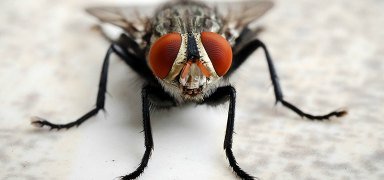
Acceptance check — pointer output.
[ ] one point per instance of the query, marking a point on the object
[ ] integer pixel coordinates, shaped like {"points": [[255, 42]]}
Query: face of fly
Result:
{"points": [[189, 66]]}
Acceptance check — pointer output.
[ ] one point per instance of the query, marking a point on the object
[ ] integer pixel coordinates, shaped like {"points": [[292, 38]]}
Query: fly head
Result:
{"points": [[190, 65]]}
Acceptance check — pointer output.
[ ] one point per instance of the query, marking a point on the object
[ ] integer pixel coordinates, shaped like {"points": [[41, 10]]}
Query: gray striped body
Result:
{"points": [[185, 17]]}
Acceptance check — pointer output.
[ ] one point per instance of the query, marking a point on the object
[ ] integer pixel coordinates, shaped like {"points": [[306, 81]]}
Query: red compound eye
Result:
{"points": [[163, 53], [218, 50]]}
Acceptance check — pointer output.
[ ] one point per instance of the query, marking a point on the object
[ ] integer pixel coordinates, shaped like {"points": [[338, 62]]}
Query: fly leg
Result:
{"points": [[220, 94], [248, 49], [40, 122], [147, 136], [130, 52]]}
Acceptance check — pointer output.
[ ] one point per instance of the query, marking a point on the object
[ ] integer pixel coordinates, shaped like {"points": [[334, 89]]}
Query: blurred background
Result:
{"points": [[328, 54]]}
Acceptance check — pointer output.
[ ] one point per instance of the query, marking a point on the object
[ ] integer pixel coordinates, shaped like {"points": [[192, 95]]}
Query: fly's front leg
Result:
{"points": [[148, 140], [40, 122], [242, 54], [223, 93]]}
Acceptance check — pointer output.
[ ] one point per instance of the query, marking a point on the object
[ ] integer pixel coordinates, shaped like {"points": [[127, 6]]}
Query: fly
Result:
{"points": [[185, 52]]}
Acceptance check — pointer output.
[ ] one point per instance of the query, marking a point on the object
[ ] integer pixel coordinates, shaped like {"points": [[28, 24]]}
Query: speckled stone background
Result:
{"points": [[328, 54]]}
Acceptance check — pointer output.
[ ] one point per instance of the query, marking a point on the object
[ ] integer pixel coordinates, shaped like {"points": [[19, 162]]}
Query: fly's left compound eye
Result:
{"points": [[218, 50], [163, 54]]}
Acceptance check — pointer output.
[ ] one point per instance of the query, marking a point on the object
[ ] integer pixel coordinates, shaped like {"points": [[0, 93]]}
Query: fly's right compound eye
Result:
{"points": [[163, 54], [218, 50]]}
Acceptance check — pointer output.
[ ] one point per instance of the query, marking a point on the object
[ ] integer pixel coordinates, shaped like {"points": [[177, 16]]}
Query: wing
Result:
{"points": [[241, 15], [132, 21]]}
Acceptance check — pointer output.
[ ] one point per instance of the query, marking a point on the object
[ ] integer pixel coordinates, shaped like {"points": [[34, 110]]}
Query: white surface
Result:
{"points": [[328, 54]]}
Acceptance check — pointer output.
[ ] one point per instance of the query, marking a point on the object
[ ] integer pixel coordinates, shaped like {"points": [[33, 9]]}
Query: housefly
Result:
{"points": [[185, 51]]}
